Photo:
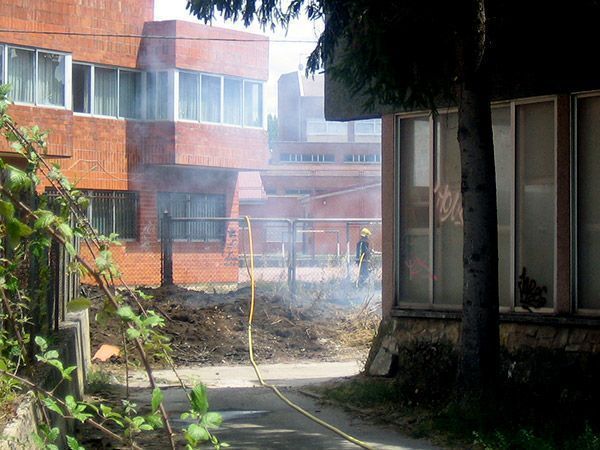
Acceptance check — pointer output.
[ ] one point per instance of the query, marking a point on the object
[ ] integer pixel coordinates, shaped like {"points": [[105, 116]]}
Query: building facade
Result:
{"points": [[547, 155], [318, 169], [145, 117]]}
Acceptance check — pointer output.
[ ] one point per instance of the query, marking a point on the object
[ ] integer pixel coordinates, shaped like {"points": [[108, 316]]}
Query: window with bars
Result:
{"points": [[111, 212], [184, 205]]}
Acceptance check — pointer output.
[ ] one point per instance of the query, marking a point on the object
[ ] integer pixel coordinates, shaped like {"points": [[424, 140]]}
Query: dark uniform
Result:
{"points": [[363, 252]]}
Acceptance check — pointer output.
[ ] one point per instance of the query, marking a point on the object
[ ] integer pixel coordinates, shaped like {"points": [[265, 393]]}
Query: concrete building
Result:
{"points": [[547, 148], [142, 124]]}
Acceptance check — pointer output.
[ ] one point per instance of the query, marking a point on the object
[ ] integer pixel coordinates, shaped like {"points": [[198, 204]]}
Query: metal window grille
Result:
{"points": [[180, 205], [111, 212]]}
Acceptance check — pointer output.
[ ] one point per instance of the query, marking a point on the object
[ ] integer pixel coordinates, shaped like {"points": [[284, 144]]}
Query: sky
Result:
{"points": [[284, 57]]}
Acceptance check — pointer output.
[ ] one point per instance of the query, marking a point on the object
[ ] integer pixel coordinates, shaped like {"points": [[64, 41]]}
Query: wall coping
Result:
{"points": [[505, 317]]}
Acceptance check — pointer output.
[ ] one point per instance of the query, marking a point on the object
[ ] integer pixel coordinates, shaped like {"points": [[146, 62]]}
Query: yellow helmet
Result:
{"points": [[365, 232]]}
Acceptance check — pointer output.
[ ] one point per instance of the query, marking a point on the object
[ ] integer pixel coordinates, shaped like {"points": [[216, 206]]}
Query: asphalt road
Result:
{"points": [[254, 418]]}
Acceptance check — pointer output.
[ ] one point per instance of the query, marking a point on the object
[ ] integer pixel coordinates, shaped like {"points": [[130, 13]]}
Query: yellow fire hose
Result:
{"points": [[257, 370]]}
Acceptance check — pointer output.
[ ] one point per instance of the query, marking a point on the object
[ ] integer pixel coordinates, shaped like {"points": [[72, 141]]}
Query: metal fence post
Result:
{"points": [[166, 244], [292, 262]]}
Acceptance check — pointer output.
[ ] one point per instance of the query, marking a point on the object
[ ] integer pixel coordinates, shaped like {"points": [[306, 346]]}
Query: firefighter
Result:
{"points": [[363, 253]]}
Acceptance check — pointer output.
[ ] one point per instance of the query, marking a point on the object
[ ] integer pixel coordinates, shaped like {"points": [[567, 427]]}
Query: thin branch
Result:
{"points": [[58, 400]]}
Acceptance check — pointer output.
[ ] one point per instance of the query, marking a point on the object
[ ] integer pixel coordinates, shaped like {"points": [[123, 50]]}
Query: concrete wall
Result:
{"points": [[73, 345]]}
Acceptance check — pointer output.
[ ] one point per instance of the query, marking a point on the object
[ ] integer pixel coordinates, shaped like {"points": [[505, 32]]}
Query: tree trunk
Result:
{"points": [[479, 348]]}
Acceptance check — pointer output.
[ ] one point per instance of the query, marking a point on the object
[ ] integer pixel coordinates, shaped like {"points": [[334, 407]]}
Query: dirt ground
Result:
{"points": [[211, 328]]}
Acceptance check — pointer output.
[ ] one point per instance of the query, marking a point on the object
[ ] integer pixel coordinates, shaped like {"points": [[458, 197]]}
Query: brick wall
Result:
{"points": [[81, 16], [248, 57]]}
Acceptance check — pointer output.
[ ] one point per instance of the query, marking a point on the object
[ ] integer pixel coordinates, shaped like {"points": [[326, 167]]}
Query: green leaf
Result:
{"points": [[153, 320], [157, 398], [70, 249], [196, 433], [56, 363], [79, 304], [155, 421], [7, 210], [17, 229], [44, 220], [199, 399], [133, 333], [71, 403], [52, 405], [53, 434], [52, 354], [74, 444], [16, 180], [65, 230], [126, 313], [211, 420], [67, 372], [41, 343]]}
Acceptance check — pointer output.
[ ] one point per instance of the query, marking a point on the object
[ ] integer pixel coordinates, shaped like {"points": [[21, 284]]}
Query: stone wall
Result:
{"points": [[516, 331]]}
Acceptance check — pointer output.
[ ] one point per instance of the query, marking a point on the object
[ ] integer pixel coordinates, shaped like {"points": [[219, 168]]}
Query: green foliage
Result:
{"points": [[46, 437], [29, 223], [198, 433]]}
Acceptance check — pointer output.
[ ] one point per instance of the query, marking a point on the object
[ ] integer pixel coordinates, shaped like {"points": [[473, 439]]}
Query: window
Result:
{"points": [[211, 98], [217, 99], [535, 224], [366, 158], [368, 127], [1, 63], [321, 126], [130, 94], [430, 215], [306, 157], [21, 74], [157, 95], [82, 88], [253, 104], [36, 76], [51, 79], [181, 205], [588, 206], [232, 101], [189, 95], [111, 212], [105, 91]]}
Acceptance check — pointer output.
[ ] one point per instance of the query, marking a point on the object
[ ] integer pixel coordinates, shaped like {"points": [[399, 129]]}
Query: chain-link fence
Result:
{"points": [[290, 255]]}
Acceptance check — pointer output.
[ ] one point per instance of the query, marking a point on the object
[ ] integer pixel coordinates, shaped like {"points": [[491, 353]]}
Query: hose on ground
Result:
{"points": [[257, 370]]}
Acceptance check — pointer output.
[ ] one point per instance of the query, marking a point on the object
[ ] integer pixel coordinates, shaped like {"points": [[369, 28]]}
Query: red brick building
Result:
{"points": [[318, 168], [143, 124]]}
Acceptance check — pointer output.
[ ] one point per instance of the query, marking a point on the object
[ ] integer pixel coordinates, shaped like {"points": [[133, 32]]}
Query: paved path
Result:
{"points": [[254, 418]]}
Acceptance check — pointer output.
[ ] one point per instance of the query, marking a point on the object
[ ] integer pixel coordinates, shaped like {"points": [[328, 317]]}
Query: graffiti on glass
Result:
{"points": [[448, 204], [418, 268]]}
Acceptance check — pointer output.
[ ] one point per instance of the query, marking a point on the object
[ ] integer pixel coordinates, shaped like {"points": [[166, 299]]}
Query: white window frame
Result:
{"points": [[91, 66], [222, 78], [93, 88], [35, 50], [262, 104]]}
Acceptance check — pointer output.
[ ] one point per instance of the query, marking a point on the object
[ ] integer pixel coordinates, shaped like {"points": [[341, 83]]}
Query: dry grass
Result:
{"points": [[359, 325]]}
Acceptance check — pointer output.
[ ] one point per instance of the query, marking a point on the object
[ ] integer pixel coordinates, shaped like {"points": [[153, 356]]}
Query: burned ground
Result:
{"points": [[211, 328]]}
